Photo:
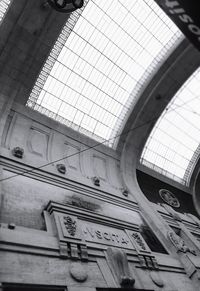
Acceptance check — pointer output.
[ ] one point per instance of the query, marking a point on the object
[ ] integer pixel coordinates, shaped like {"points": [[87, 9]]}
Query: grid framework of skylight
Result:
{"points": [[173, 145], [4, 4], [100, 65]]}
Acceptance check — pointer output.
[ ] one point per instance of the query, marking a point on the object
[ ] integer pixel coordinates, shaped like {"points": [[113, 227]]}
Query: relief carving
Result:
{"points": [[61, 168], [119, 265], [18, 152], [125, 192], [179, 243], [139, 241], [169, 198], [70, 225], [96, 181]]}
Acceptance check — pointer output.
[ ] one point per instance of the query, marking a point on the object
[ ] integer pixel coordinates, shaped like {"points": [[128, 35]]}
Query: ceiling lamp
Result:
{"points": [[65, 6]]}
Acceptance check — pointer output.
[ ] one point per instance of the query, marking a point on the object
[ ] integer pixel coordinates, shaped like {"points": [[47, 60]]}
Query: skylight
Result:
{"points": [[173, 146], [100, 62], [4, 4]]}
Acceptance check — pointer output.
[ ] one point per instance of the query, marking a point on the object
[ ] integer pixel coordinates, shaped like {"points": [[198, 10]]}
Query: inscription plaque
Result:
{"points": [[71, 228], [105, 235]]}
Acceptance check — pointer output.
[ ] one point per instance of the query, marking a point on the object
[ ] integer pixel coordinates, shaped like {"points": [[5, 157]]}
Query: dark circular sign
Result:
{"points": [[169, 198]]}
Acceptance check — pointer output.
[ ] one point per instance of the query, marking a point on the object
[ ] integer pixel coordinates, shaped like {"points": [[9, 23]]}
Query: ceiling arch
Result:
{"points": [[172, 148], [104, 56], [156, 96]]}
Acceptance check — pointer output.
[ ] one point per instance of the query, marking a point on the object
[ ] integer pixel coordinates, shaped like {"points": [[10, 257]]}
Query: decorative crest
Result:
{"points": [[139, 241], [169, 198], [70, 225]]}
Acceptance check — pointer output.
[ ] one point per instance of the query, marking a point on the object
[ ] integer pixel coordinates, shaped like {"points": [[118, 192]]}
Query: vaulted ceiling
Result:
{"points": [[107, 64]]}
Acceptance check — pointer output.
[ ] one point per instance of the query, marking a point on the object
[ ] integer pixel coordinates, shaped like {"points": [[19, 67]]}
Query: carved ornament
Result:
{"points": [[119, 264], [179, 243], [61, 168], [18, 152], [96, 181], [125, 192], [169, 198], [70, 225], [139, 241]]}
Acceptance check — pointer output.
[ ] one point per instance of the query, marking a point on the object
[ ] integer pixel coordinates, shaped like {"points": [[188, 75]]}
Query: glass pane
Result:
{"points": [[176, 135], [97, 72], [4, 4]]}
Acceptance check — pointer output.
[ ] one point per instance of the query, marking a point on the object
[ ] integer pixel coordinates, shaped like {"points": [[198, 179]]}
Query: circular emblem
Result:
{"points": [[169, 198], [78, 272]]}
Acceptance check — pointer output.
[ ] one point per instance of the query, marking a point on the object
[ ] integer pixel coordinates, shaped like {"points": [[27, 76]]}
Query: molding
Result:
{"points": [[90, 216], [53, 178], [63, 129]]}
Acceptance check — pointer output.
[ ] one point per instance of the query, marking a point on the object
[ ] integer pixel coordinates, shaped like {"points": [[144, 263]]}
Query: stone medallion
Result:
{"points": [[78, 271], [169, 198]]}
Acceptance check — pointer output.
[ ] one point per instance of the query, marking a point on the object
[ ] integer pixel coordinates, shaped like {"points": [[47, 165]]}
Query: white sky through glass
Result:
{"points": [[104, 62], [173, 146], [4, 4]]}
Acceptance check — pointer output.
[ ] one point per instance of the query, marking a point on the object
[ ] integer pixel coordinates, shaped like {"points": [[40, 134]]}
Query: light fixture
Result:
{"points": [[65, 6]]}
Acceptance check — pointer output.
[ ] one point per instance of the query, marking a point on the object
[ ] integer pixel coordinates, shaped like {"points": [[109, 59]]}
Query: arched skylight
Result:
{"points": [[99, 63], [4, 4], [173, 146]]}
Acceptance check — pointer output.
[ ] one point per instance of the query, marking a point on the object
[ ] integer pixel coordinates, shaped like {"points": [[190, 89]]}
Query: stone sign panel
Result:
{"points": [[73, 228], [105, 235]]}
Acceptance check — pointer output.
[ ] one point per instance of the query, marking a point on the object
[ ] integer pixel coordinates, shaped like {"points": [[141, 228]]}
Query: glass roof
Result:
{"points": [[101, 60], [3, 8], [173, 145]]}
